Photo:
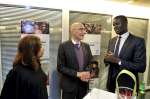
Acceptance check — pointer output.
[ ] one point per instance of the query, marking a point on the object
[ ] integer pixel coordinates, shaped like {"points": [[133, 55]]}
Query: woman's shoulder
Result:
{"points": [[26, 71], [22, 71], [11, 73]]}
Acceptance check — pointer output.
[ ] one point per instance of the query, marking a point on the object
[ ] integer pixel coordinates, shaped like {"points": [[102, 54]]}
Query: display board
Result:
{"points": [[39, 29]]}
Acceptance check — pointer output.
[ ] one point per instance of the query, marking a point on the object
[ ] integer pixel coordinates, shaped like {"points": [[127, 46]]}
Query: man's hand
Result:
{"points": [[110, 58], [84, 76]]}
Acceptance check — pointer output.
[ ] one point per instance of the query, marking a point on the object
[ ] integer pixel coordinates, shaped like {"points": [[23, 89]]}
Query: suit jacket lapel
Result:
{"points": [[125, 46]]}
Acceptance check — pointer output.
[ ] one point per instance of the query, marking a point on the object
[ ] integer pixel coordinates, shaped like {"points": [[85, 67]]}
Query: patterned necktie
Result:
{"points": [[117, 46]]}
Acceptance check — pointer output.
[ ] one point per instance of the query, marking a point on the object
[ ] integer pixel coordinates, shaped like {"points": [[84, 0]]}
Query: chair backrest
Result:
{"points": [[129, 74]]}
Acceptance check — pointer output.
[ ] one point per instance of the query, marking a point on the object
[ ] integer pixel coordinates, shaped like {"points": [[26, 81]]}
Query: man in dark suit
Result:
{"points": [[125, 51], [73, 59]]}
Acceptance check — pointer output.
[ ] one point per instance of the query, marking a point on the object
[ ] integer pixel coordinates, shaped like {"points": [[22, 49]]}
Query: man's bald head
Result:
{"points": [[77, 31], [76, 26]]}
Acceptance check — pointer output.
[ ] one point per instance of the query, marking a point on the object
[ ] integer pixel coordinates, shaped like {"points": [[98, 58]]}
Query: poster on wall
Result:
{"points": [[40, 29], [93, 37]]}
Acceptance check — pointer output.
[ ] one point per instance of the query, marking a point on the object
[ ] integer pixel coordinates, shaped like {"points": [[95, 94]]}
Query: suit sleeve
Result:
{"points": [[61, 62], [139, 59]]}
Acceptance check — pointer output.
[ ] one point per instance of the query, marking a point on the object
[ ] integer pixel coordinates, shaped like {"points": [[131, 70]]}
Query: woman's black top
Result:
{"points": [[23, 82]]}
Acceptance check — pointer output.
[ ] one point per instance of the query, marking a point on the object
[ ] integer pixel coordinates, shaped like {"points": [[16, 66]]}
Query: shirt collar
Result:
{"points": [[74, 42], [125, 35]]}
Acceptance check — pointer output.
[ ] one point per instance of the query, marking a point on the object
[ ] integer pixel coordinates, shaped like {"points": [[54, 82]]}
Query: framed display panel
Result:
{"points": [[139, 27], [105, 34], [10, 28]]}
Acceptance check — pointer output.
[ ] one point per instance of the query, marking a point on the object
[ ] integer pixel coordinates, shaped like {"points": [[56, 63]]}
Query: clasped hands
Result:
{"points": [[110, 58], [84, 76]]}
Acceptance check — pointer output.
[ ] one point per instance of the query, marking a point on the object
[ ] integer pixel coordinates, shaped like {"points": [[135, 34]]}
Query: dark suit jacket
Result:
{"points": [[133, 58], [68, 66]]}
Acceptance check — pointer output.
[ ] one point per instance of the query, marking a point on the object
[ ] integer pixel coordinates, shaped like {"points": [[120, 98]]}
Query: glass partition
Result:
{"points": [[10, 28]]}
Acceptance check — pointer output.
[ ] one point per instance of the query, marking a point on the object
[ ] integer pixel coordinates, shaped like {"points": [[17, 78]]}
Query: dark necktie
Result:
{"points": [[117, 46]]}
